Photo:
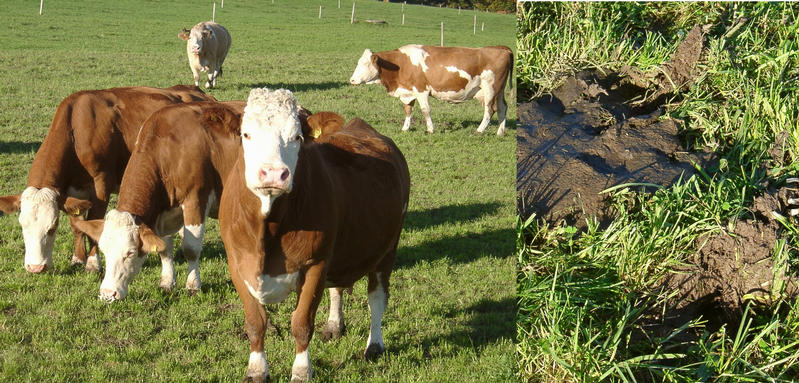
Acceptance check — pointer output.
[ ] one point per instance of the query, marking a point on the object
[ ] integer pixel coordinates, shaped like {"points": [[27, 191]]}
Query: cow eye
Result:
{"points": [[298, 138], [131, 253], [246, 136]]}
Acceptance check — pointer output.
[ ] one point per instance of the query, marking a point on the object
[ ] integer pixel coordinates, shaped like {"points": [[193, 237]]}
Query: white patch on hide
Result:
{"points": [[416, 54], [270, 290]]}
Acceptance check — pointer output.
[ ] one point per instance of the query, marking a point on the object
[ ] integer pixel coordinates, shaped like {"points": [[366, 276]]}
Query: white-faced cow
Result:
{"points": [[173, 180], [83, 156], [207, 44], [454, 74], [299, 213]]}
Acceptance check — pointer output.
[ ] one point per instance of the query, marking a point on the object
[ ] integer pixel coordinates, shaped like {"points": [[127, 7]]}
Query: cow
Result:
{"points": [[207, 44], [454, 74], [305, 208], [173, 180], [80, 163]]}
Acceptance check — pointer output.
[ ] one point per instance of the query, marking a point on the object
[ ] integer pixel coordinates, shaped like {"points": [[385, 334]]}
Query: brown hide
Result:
{"points": [[183, 154], [397, 71]]}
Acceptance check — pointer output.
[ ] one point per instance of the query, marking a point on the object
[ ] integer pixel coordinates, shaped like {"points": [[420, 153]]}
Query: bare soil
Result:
{"points": [[600, 130]]}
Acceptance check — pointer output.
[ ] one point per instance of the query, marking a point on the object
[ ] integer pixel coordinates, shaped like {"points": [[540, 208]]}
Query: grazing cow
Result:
{"points": [[83, 156], [454, 74], [299, 213], [174, 179], [207, 44]]}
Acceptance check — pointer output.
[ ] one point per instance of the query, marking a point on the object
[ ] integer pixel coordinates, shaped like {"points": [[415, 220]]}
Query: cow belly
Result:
{"points": [[405, 95], [468, 92], [169, 222], [270, 290]]}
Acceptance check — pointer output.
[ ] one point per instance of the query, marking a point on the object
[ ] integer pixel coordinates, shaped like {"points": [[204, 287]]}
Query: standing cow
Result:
{"points": [[207, 44], [304, 209], [173, 180], [454, 74], [83, 156]]}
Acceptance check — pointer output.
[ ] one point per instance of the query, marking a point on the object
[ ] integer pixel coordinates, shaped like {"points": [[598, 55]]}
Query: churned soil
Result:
{"points": [[599, 130]]}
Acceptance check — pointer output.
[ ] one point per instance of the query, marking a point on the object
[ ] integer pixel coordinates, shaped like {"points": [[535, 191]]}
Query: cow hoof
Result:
{"points": [[93, 264], [256, 379], [373, 352], [300, 376], [192, 292], [500, 132], [208, 85], [77, 261], [331, 331], [478, 133], [166, 285]]}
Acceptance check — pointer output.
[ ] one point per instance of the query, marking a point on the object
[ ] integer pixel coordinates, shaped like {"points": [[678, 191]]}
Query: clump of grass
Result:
{"points": [[583, 295]]}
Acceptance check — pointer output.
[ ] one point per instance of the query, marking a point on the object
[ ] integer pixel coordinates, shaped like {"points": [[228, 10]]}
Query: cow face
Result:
{"points": [[38, 216], [367, 70], [125, 246], [270, 137], [194, 39]]}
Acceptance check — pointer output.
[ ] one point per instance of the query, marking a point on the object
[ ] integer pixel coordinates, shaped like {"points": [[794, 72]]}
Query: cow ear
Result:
{"points": [[375, 58], [75, 206], [150, 243], [93, 228], [303, 115], [324, 123], [9, 204], [184, 35]]}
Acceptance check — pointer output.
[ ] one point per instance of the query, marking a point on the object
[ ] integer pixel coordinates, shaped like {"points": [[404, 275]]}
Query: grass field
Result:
{"points": [[583, 295], [452, 306]]}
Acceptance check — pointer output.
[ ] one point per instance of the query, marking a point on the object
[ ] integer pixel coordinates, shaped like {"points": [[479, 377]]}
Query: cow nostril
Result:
{"points": [[262, 174], [109, 294], [284, 175]]}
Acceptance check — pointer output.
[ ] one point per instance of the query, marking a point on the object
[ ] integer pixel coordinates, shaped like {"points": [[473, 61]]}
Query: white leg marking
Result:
{"points": [[193, 243], [502, 109], [301, 369], [377, 305], [76, 260], [335, 308], [93, 263], [424, 105], [167, 281], [487, 87], [407, 124], [257, 365]]}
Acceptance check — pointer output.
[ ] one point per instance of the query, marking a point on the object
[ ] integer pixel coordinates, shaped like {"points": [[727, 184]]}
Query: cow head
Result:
{"points": [[38, 215], [367, 70], [194, 38], [271, 136], [125, 245]]}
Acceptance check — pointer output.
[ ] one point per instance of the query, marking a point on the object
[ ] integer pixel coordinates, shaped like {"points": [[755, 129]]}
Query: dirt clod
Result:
{"points": [[600, 130]]}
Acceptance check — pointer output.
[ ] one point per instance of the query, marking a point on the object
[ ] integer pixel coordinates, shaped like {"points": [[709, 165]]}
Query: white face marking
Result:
{"points": [[270, 290], [119, 243], [195, 43], [257, 365], [38, 216], [416, 54], [271, 139], [301, 369], [377, 306], [366, 71]]}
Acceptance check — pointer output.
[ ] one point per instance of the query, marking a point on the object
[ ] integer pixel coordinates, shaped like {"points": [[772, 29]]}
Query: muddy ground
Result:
{"points": [[599, 130]]}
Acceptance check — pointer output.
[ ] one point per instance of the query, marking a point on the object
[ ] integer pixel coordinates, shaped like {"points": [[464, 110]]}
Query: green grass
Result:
{"points": [[452, 305], [582, 295]]}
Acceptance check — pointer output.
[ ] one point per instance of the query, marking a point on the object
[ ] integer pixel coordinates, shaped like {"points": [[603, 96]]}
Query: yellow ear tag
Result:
{"points": [[76, 212], [155, 249], [316, 133]]}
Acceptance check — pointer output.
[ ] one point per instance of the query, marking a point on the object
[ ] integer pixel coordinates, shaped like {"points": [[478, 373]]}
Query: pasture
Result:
{"points": [[452, 306], [691, 281]]}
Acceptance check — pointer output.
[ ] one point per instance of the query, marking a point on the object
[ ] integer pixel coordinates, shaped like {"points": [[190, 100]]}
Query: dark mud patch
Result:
{"points": [[730, 269], [599, 130]]}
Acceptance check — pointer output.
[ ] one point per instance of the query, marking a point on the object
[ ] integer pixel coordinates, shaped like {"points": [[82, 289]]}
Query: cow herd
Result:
{"points": [[305, 201]]}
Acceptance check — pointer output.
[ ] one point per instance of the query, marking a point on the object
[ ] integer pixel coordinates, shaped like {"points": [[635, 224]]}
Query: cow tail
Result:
{"points": [[511, 78]]}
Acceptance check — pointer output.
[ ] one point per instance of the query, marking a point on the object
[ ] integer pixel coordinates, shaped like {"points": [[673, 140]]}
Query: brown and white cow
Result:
{"points": [[207, 44], [83, 156], [299, 214], [454, 74], [173, 180]]}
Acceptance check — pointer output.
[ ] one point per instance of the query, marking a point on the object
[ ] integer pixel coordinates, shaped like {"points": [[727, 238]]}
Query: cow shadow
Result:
{"points": [[449, 214], [294, 87], [490, 321], [19, 147], [462, 248]]}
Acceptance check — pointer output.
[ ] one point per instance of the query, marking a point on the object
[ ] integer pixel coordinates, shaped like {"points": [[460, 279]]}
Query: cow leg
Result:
{"points": [[302, 320], [255, 320], [196, 73], [408, 109], [167, 281], [99, 204], [211, 80], [378, 299], [79, 255], [193, 232], [424, 105], [488, 108], [501, 107], [335, 326]]}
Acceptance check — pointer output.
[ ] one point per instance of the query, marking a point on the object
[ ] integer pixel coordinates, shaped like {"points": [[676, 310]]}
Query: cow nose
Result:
{"points": [[274, 177], [36, 268], [352, 81], [109, 294]]}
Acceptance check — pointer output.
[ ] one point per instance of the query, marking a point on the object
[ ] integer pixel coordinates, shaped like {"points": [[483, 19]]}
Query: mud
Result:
{"points": [[599, 130], [729, 270]]}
